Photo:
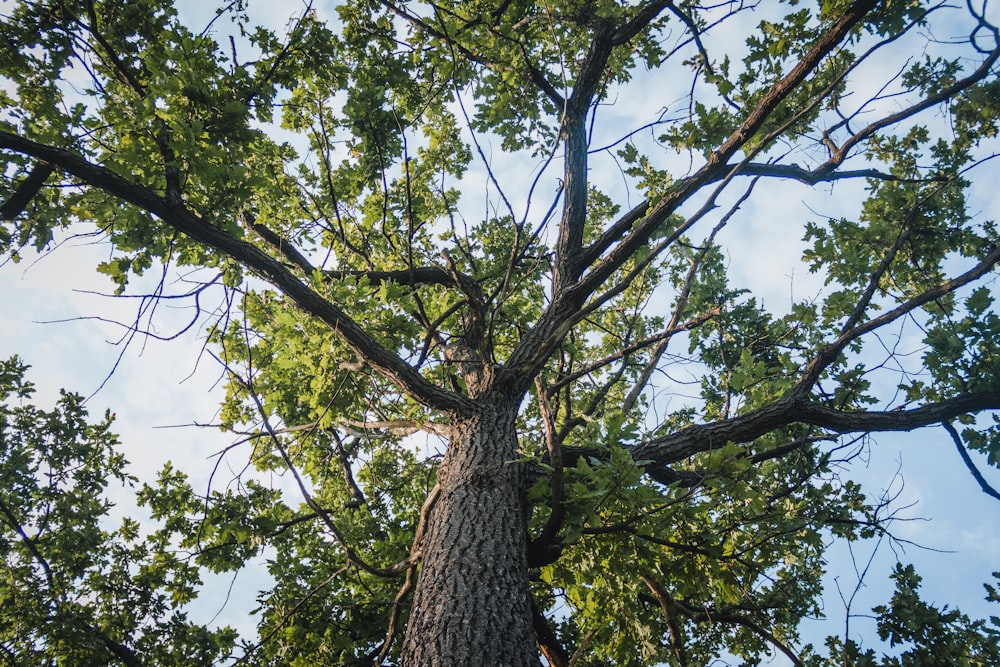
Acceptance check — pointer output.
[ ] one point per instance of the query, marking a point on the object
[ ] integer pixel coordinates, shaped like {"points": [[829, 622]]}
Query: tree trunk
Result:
{"points": [[471, 605]]}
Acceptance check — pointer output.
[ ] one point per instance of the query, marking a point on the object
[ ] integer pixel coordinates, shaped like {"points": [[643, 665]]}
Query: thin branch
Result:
{"points": [[324, 515], [397, 608], [416, 549], [536, 75], [127, 76], [120, 651], [661, 339], [829, 353], [682, 301], [669, 609], [581, 649], [30, 545], [545, 545], [343, 457], [288, 615], [943, 95]]}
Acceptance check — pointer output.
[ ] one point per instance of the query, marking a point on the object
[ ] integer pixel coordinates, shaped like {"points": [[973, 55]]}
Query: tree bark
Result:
{"points": [[471, 605]]}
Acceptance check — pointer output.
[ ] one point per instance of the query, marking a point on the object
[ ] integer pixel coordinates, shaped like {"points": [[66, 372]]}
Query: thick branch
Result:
{"points": [[185, 221], [638, 23], [789, 410], [422, 275], [574, 129], [574, 215], [796, 408], [26, 191], [286, 248], [717, 165], [548, 643], [823, 174], [120, 651], [841, 421], [536, 346], [824, 45], [575, 181]]}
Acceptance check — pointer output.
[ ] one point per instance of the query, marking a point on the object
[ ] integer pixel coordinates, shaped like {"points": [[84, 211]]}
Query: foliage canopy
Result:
{"points": [[510, 226]]}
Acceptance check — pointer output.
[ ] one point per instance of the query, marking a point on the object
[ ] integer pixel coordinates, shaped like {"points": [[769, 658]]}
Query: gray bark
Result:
{"points": [[471, 605]]}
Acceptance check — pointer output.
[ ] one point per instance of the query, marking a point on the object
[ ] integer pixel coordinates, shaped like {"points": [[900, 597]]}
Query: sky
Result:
{"points": [[160, 388]]}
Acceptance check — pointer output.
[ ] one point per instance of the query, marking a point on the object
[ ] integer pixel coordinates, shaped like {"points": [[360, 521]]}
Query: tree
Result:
{"points": [[73, 591], [377, 292], [933, 637]]}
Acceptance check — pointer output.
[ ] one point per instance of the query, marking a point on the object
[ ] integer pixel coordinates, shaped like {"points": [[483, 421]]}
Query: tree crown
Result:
{"points": [[413, 213]]}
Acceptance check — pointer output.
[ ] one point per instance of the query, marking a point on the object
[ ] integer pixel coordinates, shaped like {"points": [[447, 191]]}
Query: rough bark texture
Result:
{"points": [[471, 605]]}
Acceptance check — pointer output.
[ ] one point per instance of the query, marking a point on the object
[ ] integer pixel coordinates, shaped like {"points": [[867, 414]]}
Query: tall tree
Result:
{"points": [[577, 512]]}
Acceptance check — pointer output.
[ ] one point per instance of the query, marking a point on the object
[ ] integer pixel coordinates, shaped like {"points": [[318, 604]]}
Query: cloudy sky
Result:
{"points": [[49, 304]]}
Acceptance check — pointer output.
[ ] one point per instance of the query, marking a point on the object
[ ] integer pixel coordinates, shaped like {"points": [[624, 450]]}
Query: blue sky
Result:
{"points": [[166, 384]]}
